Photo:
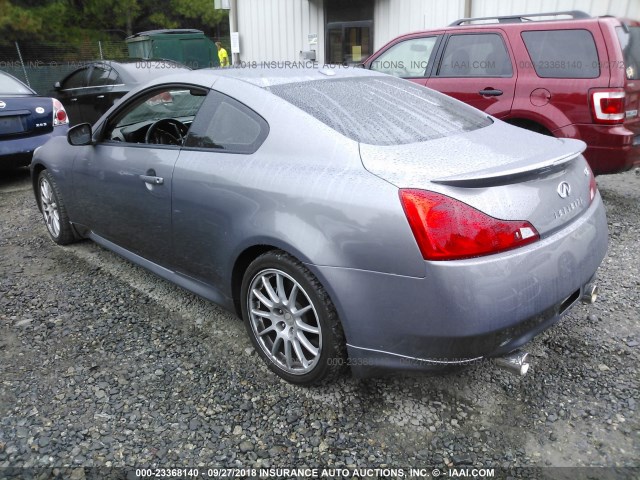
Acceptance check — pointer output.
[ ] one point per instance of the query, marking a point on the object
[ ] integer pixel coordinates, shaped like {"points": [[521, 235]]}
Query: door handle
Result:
{"points": [[490, 92], [152, 179], [100, 96], [74, 99]]}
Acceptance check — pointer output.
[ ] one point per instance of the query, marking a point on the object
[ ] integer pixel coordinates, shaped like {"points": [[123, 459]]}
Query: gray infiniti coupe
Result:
{"points": [[351, 219]]}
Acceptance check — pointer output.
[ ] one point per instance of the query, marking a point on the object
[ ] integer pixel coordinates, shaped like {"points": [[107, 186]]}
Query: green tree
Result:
{"points": [[111, 14], [23, 21], [81, 20], [199, 9]]}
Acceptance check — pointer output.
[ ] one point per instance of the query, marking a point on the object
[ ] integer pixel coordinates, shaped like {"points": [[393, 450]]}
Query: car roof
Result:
{"points": [[278, 73], [526, 18], [136, 70], [550, 23], [142, 71]]}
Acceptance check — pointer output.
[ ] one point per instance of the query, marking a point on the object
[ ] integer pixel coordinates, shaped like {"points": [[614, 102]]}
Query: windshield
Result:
{"points": [[382, 110], [11, 86], [630, 43]]}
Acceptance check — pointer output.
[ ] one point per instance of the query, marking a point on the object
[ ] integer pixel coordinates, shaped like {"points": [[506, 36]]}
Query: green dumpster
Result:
{"points": [[187, 46]]}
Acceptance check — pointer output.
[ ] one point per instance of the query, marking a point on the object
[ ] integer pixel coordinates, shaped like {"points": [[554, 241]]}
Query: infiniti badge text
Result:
{"points": [[568, 208]]}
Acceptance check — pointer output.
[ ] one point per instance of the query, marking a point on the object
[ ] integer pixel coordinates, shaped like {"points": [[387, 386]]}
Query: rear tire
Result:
{"points": [[291, 320], [53, 210]]}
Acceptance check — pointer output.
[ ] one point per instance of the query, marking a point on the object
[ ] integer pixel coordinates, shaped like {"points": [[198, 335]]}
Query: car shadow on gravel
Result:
{"points": [[14, 178]]}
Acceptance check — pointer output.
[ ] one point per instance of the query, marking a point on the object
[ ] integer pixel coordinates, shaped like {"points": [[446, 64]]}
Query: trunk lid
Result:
{"points": [[25, 115], [501, 170]]}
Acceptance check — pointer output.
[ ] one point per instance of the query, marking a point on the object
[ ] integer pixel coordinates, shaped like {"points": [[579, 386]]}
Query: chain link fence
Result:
{"points": [[41, 65]]}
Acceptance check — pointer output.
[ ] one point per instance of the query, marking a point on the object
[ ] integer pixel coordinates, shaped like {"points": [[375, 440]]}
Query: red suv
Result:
{"points": [[576, 77]]}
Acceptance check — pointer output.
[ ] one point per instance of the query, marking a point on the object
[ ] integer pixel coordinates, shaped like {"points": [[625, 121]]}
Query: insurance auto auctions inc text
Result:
{"points": [[333, 473]]}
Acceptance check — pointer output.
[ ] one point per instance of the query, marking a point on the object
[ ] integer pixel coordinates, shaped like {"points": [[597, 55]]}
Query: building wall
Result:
{"points": [[279, 29], [395, 17]]}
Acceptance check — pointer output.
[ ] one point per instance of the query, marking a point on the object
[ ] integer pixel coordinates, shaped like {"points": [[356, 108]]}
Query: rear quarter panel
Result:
{"points": [[304, 191]]}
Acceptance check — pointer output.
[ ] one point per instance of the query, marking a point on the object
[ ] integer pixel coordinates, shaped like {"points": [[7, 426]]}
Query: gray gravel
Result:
{"points": [[103, 364]]}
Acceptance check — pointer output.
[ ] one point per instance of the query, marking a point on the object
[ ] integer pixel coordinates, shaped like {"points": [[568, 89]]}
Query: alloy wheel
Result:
{"points": [[284, 321], [50, 209]]}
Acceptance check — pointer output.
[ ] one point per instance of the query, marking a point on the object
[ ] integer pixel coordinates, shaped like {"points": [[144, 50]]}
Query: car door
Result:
{"points": [[410, 58], [70, 94], [208, 188], [476, 68], [124, 182], [98, 98]]}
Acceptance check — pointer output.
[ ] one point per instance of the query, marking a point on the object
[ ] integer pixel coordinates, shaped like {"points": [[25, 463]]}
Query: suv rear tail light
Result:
{"points": [[447, 229], [59, 114], [607, 106]]}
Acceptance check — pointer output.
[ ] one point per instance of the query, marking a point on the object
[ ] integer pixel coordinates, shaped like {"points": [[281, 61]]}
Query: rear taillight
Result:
{"points": [[447, 229], [59, 114], [607, 106]]}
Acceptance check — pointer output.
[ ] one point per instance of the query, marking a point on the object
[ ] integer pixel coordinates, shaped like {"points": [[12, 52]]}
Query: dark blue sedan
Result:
{"points": [[27, 121]]}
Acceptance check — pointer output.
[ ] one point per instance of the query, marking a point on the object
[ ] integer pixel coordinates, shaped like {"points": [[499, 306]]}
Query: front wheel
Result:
{"points": [[53, 210], [291, 320]]}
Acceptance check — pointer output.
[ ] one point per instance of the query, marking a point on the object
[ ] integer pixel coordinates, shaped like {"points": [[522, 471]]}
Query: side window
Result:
{"points": [[406, 59], [161, 116], [101, 76], [228, 125], [77, 79], [475, 55], [562, 53]]}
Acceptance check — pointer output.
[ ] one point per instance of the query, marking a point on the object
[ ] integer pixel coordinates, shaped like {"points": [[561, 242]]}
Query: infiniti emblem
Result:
{"points": [[564, 189]]}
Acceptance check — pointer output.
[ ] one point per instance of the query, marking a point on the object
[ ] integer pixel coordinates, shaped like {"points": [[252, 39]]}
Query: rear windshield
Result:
{"points": [[382, 111], [630, 43], [11, 86]]}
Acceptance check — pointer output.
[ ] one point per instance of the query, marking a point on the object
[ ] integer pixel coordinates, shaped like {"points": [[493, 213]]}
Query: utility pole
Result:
{"points": [[468, 8], [233, 28]]}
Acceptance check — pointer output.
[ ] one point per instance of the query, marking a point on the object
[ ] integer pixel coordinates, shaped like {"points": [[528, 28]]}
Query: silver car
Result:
{"points": [[352, 219]]}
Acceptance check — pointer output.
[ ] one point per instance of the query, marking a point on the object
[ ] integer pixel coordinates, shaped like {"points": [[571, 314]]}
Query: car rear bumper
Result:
{"points": [[462, 311], [611, 149], [17, 152]]}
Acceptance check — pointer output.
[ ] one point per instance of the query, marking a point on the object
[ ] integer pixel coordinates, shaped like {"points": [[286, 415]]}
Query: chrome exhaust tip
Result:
{"points": [[590, 293], [515, 362]]}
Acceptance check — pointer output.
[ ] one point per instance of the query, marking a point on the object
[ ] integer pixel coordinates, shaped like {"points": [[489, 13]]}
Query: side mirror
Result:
{"points": [[57, 86], [80, 135]]}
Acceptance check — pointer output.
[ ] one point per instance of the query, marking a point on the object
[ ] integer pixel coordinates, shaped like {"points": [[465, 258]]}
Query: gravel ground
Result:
{"points": [[103, 364]]}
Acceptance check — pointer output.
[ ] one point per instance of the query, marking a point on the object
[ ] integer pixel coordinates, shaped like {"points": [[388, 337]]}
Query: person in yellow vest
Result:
{"points": [[222, 55]]}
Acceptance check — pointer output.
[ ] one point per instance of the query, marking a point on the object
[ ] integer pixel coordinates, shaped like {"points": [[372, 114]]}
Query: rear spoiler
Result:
{"points": [[511, 172]]}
